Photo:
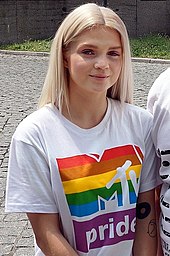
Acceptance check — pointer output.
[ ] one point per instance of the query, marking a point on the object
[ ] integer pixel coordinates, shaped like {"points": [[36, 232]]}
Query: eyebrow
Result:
{"points": [[95, 47]]}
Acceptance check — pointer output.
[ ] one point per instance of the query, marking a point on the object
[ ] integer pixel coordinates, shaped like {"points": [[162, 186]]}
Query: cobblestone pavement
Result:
{"points": [[21, 79]]}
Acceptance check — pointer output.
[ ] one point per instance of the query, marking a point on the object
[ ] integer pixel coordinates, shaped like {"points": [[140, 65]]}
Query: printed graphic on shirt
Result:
{"points": [[165, 157], [164, 199], [166, 248], [101, 192]]}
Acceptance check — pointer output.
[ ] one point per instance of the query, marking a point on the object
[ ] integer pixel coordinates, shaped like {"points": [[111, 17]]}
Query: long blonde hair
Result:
{"points": [[55, 89]]}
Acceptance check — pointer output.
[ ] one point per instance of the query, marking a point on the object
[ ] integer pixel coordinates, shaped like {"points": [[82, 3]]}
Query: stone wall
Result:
{"points": [[24, 20], [153, 16]]}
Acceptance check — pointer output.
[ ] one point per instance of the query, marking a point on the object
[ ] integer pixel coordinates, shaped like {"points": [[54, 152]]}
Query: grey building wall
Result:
{"points": [[24, 20], [153, 16]]}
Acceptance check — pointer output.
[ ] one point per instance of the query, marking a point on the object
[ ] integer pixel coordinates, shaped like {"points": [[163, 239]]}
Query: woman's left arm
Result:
{"points": [[145, 243]]}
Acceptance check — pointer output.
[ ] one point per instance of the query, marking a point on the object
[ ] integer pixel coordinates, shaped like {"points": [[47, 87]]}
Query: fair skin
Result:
{"points": [[145, 243], [158, 211], [94, 61]]}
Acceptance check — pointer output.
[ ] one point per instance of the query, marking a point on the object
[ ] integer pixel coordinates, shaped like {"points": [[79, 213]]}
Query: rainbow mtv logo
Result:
{"points": [[127, 197], [101, 192], [93, 183]]}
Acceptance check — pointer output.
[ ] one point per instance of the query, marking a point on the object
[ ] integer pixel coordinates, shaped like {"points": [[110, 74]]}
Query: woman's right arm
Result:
{"points": [[48, 236]]}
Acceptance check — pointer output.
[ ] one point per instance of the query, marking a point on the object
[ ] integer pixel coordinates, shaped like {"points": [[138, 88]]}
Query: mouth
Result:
{"points": [[99, 76]]}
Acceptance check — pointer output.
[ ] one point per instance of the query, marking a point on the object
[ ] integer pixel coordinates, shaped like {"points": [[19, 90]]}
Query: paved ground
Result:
{"points": [[21, 79]]}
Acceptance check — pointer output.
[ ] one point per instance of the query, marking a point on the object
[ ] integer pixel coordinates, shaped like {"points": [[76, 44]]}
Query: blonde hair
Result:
{"points": [[55, 89]]}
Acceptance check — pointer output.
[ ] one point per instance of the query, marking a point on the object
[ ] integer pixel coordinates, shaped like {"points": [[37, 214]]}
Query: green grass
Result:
{"points": [[34, 46], [152, 46]]}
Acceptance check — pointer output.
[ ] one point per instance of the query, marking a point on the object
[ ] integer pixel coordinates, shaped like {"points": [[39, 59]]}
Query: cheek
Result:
{"points": [[118, 67], [76, 65]]}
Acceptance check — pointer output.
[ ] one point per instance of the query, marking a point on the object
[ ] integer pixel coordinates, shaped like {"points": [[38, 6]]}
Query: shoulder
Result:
{"points": [[134, 118], [137, 111], [35, 123], [162, 81], [131, 110], [139, 117], [160, 90]]}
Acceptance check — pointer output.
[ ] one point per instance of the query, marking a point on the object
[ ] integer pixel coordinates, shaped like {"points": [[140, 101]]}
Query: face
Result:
{"points": [[94, 61]]}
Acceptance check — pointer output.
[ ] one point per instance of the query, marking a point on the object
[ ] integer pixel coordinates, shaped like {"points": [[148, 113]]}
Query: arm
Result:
{"points": [[158, 210], [48, 236], [145, 237]]}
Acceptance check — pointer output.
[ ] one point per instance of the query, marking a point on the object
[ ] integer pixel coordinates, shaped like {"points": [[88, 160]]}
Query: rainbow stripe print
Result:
{"points": [[91, 182], [101, 192]]}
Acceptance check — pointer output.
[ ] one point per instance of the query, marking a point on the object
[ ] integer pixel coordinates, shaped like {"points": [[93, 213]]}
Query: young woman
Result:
{"points": [[83, 165]]}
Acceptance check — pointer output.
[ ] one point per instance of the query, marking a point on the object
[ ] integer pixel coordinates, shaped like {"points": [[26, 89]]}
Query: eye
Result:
{"points": [[88, 52], [114, 53]]}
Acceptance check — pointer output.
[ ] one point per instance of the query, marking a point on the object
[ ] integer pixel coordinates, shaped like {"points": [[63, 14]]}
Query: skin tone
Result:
{"points": [[158, 211], [145, 243], [48, 235], [94, 62]]}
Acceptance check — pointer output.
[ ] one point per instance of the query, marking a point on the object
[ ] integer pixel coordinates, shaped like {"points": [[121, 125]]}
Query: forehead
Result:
{"points": [[100, 35]]}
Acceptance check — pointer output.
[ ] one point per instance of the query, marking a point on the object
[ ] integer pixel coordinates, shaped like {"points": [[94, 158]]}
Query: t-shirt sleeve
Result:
{"points": [[29, 180], [150, 167]]}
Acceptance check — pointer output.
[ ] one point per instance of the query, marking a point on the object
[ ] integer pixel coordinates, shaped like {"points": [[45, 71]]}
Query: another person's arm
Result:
{"points": [[145, 243], [158, 210], [48, 236]]}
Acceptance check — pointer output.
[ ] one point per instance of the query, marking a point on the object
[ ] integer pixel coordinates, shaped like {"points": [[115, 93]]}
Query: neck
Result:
{"points": [[86, 112]]}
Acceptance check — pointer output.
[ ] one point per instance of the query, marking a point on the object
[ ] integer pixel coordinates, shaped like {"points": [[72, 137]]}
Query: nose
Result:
{"points": [[101, 63]]}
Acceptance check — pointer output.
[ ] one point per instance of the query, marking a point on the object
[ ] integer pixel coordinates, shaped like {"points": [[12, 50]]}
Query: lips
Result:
{"points": [[99, 76]]}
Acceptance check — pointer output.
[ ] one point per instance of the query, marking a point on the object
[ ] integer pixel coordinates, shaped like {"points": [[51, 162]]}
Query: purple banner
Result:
{"points": [[106, 229]]}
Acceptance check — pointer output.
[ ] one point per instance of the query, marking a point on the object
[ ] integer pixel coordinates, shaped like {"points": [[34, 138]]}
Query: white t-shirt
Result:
{"points": [[91, 177], [159, 106]]}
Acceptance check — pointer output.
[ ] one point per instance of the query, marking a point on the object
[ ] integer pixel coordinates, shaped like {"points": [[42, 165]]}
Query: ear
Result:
{"points": [[65, 59], [65, 62]]}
